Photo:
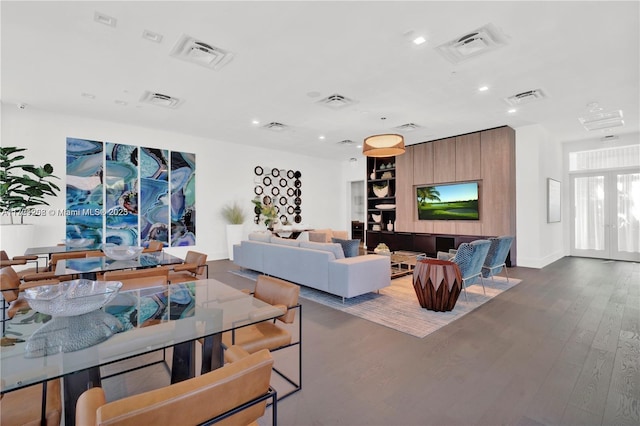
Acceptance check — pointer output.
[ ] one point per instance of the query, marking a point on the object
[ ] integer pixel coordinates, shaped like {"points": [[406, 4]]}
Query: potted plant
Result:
{"points": [[268, 212], [235, 217], [23, 186]]}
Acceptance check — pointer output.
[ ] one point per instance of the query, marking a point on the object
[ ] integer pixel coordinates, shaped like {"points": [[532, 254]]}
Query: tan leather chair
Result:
{"points": [[267, 334], [11, 287], [139, 278], [153, 246], [24, 406], [18, 260], [53, 262], [325, 235], [193, 268], [189, 402]]}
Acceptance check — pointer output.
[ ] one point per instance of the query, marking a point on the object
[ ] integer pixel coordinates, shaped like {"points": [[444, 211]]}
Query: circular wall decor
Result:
{"points": [[258, 190], [290, 174], [275, 191], [297, 218], [297, 210], [256, 220], [297, 174], [256, 210], [258, 170], [275, 172], [283, 201], [283, 182], [266, 181], [296, 183], [290, 192], [283, 219], [266, 200], [290, 210], [297, 192], [297, 201]]}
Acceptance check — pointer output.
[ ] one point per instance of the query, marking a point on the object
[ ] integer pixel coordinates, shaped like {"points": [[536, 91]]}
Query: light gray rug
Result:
{"points": [[397, 306]]}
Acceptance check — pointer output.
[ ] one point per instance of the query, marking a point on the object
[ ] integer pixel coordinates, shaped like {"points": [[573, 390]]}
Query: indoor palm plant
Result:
{"points": [[23, 186], [235, 217]]}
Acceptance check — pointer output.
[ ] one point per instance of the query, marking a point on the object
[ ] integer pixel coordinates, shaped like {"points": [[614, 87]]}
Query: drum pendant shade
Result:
{"points": [[387, 145]]}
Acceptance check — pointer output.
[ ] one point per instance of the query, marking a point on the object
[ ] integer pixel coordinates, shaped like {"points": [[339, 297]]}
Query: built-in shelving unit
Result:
{"points": [[381, 194]]}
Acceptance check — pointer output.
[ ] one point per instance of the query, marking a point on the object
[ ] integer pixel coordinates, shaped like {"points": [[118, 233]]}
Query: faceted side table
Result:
{"points": [[437, 284]]}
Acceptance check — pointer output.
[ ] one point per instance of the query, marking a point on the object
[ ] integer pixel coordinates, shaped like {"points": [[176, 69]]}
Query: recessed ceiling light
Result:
{"points": [[321, 137], [151, 36], [511, 111], [359, 146], [88, 95], [105, 19], [419, 40], [483, 88], [255, 122]]}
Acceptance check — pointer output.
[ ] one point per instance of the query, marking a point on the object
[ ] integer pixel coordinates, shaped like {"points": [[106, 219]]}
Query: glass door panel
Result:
{"points": [[626, 226], [589, 234]]}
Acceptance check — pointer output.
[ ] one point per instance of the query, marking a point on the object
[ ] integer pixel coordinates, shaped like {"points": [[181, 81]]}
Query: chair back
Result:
{"points": [[140, 278], [4, 255], [497, 255], [9, 284], [275, 291], [199, 259], [196, 400], [69, 255], [470, 258], [153, 246]]}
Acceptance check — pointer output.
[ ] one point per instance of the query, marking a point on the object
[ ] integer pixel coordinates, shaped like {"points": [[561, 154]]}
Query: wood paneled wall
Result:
{"points": [[487, 156]]}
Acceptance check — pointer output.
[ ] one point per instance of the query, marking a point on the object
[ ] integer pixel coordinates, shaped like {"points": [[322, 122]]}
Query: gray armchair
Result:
{"points": [[497, 256], [470, 258]]}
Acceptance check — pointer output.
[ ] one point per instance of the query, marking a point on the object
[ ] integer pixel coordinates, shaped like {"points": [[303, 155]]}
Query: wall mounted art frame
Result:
{"points": [[554, 200], [128, 195], [283, 189]]}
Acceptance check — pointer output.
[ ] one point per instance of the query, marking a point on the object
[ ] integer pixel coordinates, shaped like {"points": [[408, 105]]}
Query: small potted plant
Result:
{"points": [[235, 216]]}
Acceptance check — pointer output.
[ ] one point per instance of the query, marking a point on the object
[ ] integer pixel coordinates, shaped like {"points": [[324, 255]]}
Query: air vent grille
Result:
{"points": [[161, 100], [346, 142], [408, 127], [477, 42], [198, 52], [336, 101], [602, 120], [275, 126], [525, 97]]}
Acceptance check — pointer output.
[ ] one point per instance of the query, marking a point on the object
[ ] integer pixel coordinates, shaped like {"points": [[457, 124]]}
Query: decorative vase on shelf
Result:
{"points": [[373, 174], [389, 226]]}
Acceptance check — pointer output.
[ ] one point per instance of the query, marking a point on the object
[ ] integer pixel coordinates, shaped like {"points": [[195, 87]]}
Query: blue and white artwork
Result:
{"points": [[85, 203], [154, 195], [121, 194], [183, 199]]}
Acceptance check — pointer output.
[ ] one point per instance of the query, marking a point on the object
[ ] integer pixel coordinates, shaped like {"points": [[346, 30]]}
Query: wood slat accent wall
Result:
{"points": [[487, 156]]}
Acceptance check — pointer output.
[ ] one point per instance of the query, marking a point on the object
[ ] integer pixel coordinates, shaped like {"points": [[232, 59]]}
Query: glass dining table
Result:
{"points": [[88, 267], [134, 323]]}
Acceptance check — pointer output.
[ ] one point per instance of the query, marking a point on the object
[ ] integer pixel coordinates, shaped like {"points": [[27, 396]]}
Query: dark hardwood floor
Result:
{"points": [[561, 348]]}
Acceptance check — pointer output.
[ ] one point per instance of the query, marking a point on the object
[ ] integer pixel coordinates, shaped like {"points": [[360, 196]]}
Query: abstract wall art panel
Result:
{"points": [[183, 199], [154, 195], [85, 203], [121, 194]]}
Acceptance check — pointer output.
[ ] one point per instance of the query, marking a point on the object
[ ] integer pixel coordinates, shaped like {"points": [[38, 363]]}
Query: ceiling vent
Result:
{"points": [[191, 50], [602, 120], [161, 100], [609, 138], [346, 142], [336, 101], [478, 42], [275, 126], [408, 127], [525, 97]]}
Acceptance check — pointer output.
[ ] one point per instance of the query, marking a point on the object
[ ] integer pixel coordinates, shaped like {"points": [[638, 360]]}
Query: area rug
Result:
{"points": [[397, 307]]}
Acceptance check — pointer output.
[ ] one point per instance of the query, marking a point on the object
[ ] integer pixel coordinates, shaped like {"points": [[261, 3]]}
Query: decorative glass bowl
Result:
{"points": [[71, 298], [122, 252], [79, 242]]}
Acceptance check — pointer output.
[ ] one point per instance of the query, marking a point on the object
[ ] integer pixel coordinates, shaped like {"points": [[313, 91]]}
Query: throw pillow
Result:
{"points": [[351, 248], [336, 249]]}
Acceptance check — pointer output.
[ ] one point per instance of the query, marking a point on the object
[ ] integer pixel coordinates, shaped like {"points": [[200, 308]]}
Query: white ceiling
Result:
{"points": [[287, 52]]}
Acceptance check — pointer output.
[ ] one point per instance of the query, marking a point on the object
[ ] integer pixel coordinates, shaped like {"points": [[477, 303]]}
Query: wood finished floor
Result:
{"points": [[561, 348]]}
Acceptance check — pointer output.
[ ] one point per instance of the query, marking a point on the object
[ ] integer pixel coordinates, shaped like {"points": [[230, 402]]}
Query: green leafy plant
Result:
{"points": [[233, 214], [23, 186], [268, 212]]}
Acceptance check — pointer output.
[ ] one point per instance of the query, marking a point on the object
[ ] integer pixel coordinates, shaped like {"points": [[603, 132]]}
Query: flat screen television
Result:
{"points": [[455, 201]]}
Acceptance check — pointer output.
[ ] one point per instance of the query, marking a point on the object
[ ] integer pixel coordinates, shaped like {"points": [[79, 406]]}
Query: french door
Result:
{"points": [[606, 214]]}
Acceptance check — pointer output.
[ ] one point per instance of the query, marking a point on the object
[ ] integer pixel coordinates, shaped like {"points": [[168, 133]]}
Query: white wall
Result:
{"points": [[224, 172], [538, 157]]}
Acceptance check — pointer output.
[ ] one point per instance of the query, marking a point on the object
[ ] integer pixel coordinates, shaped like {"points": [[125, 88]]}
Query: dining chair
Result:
{"points": [[234, 394], [18, 260], [11, 287], [153, 246], [269, 334], [497, 257], [469, 257], [50, 272], [193, 268], [25, 406], [139, 278]]}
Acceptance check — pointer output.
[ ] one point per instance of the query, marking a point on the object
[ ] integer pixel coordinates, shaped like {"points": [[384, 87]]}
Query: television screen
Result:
{"points": [[456, 201]]}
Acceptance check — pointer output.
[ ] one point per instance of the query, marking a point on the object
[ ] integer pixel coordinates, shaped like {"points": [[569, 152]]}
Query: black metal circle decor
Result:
{"points": [[272, 184]]}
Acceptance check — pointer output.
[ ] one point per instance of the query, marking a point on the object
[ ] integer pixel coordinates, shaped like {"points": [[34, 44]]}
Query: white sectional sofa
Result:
{"points": [[318, 265]]}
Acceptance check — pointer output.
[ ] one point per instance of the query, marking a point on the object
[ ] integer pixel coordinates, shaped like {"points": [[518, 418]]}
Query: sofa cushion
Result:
{"points": [[334, 248], [285, 241], [351, 248], [320, 235], [264, 237]]}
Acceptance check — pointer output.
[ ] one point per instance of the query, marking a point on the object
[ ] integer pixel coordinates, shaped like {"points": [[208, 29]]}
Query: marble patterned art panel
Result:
{"points": [[121, 194], [183, 196], [85, 203], [154, 195]]}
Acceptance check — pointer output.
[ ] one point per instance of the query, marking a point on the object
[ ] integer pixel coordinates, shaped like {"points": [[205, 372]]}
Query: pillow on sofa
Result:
{"points": [[320, 235], [351, 248], [263, 237], [334, 248], [285, 241]]}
